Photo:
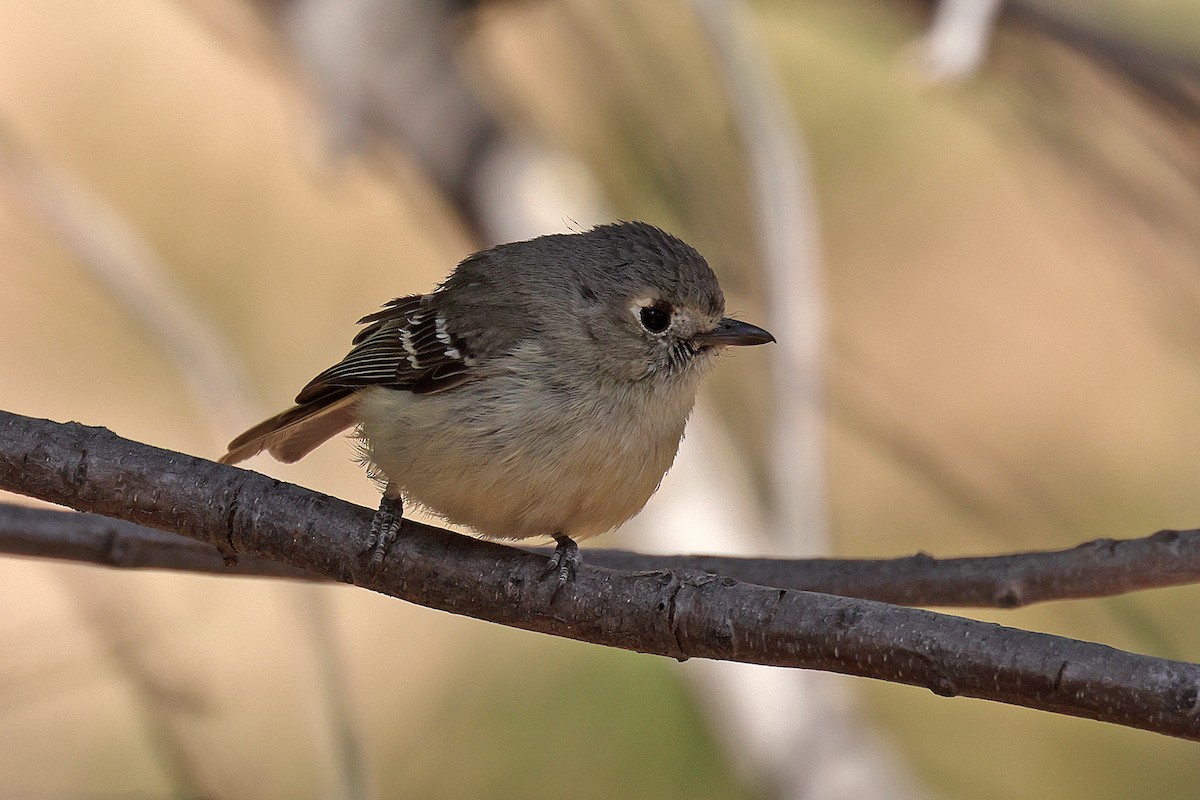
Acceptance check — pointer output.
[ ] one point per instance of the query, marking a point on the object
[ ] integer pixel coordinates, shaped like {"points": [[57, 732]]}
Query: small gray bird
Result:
{"points": [[542, 390]]}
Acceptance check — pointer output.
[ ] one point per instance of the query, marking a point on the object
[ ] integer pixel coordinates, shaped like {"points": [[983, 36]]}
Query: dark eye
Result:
{"points": [[655, 319]]}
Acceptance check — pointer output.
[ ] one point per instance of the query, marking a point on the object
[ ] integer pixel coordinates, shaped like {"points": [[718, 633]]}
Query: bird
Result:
{"points": [[541, 390]]}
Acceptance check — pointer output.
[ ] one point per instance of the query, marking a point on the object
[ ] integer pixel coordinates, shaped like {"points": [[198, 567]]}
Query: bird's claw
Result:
{"points": [[565, 560], [385, 526]]}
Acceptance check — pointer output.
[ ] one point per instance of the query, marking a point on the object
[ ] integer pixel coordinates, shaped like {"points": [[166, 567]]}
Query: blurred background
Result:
{"points": [[974, 227]]}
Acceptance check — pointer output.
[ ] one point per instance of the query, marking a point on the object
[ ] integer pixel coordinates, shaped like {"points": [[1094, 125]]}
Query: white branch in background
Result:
{"points": [[795, 732], [957, 41], [525, 189], [785, 209]]}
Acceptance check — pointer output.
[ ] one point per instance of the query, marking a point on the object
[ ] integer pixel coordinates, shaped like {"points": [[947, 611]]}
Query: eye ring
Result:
{"points": [[655, 319]]}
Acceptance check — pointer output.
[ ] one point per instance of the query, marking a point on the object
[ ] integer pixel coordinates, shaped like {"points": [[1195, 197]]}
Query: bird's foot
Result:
{"points": [[565, 560], [385, 526]]}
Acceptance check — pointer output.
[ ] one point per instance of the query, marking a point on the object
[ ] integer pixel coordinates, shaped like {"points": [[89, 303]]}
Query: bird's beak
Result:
{"points": [[732, 332]]}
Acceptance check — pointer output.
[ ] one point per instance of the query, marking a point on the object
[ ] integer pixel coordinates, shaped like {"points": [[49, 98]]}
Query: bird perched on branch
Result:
{"points": [[542, 390]]}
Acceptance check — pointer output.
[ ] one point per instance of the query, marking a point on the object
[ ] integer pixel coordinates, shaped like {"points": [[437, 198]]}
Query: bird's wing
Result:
{"points": [[405, 345]]}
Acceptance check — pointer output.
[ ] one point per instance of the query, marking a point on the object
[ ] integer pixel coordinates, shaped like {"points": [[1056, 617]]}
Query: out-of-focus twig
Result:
{"points": [[1172, 79], [120, 259]]}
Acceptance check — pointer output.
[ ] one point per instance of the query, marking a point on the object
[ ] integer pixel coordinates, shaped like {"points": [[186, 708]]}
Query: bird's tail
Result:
{"points": [[292, 434]]}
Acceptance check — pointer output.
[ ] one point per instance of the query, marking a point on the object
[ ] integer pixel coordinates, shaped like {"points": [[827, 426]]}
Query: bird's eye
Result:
{"points": [[655, 318]]}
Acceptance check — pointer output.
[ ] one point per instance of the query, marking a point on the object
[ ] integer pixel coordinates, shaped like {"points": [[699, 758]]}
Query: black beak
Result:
{"points": [[732, 332]]}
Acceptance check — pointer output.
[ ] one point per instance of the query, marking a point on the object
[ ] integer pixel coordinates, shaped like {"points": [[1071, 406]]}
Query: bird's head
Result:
{"points": [[654, 306]]}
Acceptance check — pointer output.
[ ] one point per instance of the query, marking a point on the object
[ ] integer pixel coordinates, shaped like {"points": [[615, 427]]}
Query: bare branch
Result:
{"points": [[682, 614], [1100, 568], [92, 539]]}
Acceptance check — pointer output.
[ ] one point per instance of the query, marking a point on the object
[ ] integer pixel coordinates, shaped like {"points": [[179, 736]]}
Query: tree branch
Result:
{"points": [[1100, 568], [92, 539], [685, 614]]}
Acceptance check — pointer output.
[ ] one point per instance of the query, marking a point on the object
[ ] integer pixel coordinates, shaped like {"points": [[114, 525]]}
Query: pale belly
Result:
{"points": [[507, 471]]}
